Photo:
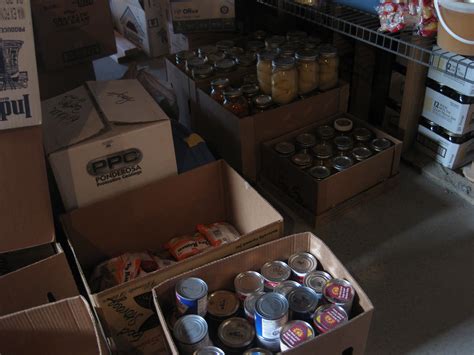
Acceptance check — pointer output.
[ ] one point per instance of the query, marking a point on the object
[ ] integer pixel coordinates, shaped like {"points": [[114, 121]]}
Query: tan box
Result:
{"points": [[351, 337], [106, 138], [318, 197], [63, 327], [147, 217], [238, 140], [70, 32]]}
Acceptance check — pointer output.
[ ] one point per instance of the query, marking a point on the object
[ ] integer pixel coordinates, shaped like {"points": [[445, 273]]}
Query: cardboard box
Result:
{"points": [[19, 90], [450, 69], [143, 23], [317, 197], [70, 32], [350, 338], [105, 138], [146, 218], [448, 154], [238, 140], [448, 113], [63, 327], [203, 15]]}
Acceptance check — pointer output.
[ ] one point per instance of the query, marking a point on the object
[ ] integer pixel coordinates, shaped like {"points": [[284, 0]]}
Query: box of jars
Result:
{"points": [[292, 295], [329, 162]]}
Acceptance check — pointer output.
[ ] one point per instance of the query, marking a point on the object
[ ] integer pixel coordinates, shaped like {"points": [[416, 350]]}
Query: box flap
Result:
{"points": [[64, 327], [69, 119], [125, 101]]}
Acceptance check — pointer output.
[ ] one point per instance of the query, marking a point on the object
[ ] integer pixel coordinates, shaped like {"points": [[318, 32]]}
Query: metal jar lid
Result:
{"points": [[182, 56], [190, 329], [275, 271], [213, 58], [303, 300], [305, 140], [327, 51], [361, 153], [222, 304], [202, 71], [302, 160], [339, 291], [317, 280], [249, 282], [225, 65], [319, 172], [380, 144], [255, 46], [249, 90], [343, 124], [249, 303], [236, 333], [257, 351], [220, 83], [232, 93], [246, 59], [362, 134], [285, 287], [209, 350], [194, 62], [328, 317], [271, 306], [326, 132], [344, 143], [302, 263], [286, 50], [266, 56], [234, 52], [263, 102], [225, 44], [284, 62], [274, 42], [191, 288], [306, 55], [204, 51], [342, 162], [285, 148], [322, 151], [296, 332]]}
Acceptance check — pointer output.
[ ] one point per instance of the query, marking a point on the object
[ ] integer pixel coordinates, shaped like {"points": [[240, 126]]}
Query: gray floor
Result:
{"points": [[411, 249]]}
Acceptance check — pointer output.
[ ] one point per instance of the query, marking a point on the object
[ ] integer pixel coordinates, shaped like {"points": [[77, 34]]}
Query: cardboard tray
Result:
{"points": [[220, 275]]}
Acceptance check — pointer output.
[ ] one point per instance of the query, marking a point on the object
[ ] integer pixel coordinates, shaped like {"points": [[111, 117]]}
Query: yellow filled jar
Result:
{"points": [[308, 71], [264, 71], [328, 67], [284, 80]]}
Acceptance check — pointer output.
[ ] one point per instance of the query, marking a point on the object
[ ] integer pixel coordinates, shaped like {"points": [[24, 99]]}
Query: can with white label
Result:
{"points": [[235, 335], [275, 272], [191, 333], [271, 313], [302, 264], [302, 303], [248, 282], [328, 317], [286, 287], [191, 296], [317, 280], [249, 306], [295, 333], [339, 292]]}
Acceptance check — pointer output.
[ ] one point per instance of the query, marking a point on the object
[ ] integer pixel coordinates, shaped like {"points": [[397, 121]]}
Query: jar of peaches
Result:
{"points": [[328, 67], [264, 71], [284, 80], [308, 71]]}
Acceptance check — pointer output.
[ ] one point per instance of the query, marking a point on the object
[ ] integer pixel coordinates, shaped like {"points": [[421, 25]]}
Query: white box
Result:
{"points": [[448, 154], [448, 113], [19, 90], [143, 23], [97, 153], [461, 67]]}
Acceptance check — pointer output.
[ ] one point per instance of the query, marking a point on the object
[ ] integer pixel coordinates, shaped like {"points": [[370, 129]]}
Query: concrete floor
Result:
{"points": [[412, 251]]}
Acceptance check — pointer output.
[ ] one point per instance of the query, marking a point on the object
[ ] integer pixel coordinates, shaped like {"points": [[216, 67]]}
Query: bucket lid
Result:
{"points": [[464, 6]]}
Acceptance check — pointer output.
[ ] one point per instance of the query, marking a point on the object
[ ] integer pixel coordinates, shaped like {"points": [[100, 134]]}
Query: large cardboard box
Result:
{"points": [[63, 327], [185, 42], [349, 338], [19, 89], [146, 218], [238, 140], [105, 138], [70, 32], [143, 23]]}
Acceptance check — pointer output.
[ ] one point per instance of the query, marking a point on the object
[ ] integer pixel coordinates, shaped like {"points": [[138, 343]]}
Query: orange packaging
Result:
{"points": [[186, 246], [218, 233]]}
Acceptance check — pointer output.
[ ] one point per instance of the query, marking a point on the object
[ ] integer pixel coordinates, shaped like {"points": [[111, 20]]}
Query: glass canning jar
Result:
{"points": [[182, 56], [262, 103], [328, 67], [264, 71], [284, 80], [218, 86], [203, 71], [226, 65], [193, 62], [235, 102], [204, 51], [308, 71], [287, 50], [250, 92]]}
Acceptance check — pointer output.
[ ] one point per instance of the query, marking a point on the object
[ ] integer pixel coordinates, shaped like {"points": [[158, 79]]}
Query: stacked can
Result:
{"points": [[247, 283], [302, 264], [274, 273], [191, 296], [191, 333], [271, 314]]}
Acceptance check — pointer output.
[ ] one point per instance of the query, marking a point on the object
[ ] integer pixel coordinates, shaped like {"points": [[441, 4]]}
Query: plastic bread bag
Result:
{"points": [[219, 233], [186, 246]]}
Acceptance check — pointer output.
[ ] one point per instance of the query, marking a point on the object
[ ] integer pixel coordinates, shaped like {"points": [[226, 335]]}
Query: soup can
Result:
{"points": [[339, 292], [209, 350], [248, 282], [271, 313], [295, 333], [249, 306], [221, 305], [317, 280], [302, 264], [236, 335], [275, 272], [191, 296], [286, 287], [191, 334], [302, 303], [328, 317]]}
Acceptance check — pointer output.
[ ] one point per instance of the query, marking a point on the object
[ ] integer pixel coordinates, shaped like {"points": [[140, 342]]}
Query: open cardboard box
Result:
{"points": [[146, 218], [220, 275], [318, 197], [238, 140], [63, 327]]}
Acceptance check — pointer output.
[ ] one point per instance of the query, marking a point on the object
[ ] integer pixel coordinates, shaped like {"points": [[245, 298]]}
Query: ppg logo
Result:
{"points": [[119, 160]]}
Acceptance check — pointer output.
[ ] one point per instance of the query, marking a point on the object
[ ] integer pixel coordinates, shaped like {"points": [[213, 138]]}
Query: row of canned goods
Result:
{"points": [[331, 149], [276, 309]]}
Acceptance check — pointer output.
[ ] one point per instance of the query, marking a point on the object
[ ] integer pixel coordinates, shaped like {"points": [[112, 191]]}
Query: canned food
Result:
{"points": [[322, 151], [361, 153], [248, 282], [302, 303], [270, 344], [317, 280], [285, 287], [328, 317], [191, 334], [295, 333], [326, 132], [271, 313], [285, 149], [249, 306], [362, 134], [191, 296], [380, 144], [222, 305], [343, 143], [305, 140], [275, 272], [342, 163], [339, 292], [236, 335], [209, 350], [257, 351], [302, 264]]}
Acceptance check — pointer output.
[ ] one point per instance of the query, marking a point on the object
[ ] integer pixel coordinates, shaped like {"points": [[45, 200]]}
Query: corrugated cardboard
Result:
{"points": [[351, 337], [70, 32], [185, 42], [105, 138], [19, 90], [146, 218], [64, 327], [320, 196], [238, 140]]}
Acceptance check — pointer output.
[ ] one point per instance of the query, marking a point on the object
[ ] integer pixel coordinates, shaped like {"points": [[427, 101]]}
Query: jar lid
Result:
{"points": [[207, 49], [322, 151], [232, 93], [225, 64], [194, 61], [361, 153], [287, 50], [266, 55], [246, 59], [263, 101], [225, 44], [343, 142], [249, 89], [343, 124], [215, 57], [255, 45], [319, 172], [284, 148], [326, 132], [222, 303], [362, 134], [220, 83], [234, 51], [272, 306], [379, 144], [284, 62], [306, 54], [302, 159], [306, 140], [342, 162], [327, 50], [185, 55], [202, 71]]}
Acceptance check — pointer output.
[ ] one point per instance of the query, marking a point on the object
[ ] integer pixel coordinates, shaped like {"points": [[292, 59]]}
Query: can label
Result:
{"points": [[187, 306], [340, 293], [270, 285], [298, 277], [329, 319], [295, 335], [269, 329]]}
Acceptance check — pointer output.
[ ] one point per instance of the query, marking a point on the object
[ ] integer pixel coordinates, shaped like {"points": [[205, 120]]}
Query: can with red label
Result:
{"points": [[339, 292], [328, 317], [295, 333], [302, 264], [248, 282], [275, 272]]}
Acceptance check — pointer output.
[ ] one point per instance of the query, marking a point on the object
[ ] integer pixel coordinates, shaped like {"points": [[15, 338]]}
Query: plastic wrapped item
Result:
{"points": [[427, 22], [219, 233], [186, 246]]}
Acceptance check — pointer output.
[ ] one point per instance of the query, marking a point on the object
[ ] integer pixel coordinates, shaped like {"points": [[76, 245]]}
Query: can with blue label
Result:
{"points": [[191, 296], [271, 314]]}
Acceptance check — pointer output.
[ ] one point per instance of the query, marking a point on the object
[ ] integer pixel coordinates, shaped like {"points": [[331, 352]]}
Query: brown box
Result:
{"points": [[318, 197], [146, 218], [220, 275], [238, 140], [185, 42]]}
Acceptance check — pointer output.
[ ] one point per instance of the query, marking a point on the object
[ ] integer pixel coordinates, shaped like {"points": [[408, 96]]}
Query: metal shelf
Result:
{"points": [[364, 27]]}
